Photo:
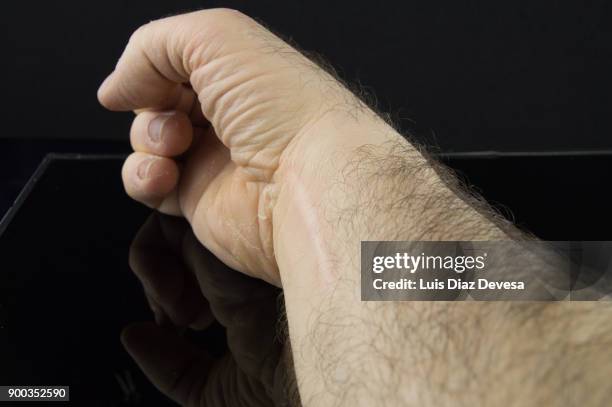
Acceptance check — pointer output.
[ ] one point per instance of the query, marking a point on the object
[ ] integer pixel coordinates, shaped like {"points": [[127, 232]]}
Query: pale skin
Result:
{"points": [[281, 172]]}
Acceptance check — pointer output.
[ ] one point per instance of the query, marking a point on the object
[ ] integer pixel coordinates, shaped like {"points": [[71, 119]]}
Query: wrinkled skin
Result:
{"points": [[223, 109]]}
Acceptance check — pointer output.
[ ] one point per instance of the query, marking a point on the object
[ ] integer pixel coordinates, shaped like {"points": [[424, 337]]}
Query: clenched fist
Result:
{"points": [[228, 117]]}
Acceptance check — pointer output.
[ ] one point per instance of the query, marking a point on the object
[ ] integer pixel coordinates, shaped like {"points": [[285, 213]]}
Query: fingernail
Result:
{"points": [[144, 168], [156, 127]]}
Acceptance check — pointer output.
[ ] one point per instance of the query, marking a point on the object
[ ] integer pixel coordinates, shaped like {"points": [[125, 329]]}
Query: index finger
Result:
{"points": [[160, 57]]}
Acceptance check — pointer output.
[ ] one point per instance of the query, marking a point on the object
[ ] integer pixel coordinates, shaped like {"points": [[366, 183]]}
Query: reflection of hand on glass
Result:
{"points": [[187, 286]]}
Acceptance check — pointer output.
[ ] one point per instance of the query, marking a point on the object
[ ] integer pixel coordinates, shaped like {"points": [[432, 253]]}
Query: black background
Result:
{"points": [[466, 75]]}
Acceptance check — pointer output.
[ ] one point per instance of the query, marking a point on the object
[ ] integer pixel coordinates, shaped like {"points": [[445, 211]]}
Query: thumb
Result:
{"points": [[161, 56], [236, 69]]}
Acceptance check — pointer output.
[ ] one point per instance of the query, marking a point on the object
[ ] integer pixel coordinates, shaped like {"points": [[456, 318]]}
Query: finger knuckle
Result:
{"points": [[225, 20], [229, 14], [139, 34]]}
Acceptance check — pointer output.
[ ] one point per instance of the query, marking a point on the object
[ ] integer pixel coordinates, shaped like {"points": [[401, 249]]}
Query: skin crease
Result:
{"points": [[254, 150], [227, 168]]}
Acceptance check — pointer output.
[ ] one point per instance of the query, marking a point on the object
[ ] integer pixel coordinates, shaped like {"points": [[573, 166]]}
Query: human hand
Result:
{"points": [[228, 120], [281, 173]]}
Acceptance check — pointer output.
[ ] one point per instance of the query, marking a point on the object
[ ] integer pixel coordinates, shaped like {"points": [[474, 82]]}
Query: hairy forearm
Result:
{"points": [[362, 182], [374, 185]]}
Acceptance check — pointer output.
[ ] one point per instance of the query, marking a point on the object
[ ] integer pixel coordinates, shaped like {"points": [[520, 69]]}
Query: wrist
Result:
{"points": [[312, 238]]}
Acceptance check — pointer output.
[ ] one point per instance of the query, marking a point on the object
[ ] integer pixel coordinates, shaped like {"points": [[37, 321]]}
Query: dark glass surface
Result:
{"points": [[67, 292], [77, 252], [20, 157]]}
